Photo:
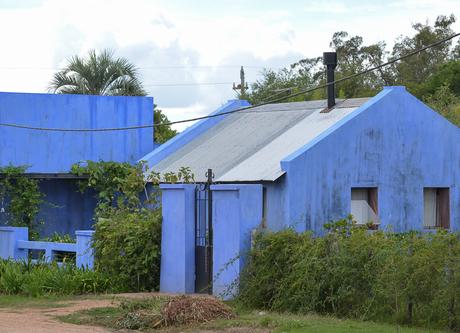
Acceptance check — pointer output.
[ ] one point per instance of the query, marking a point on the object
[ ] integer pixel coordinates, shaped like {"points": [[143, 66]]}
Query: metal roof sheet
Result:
{"points": [[249, 145]]}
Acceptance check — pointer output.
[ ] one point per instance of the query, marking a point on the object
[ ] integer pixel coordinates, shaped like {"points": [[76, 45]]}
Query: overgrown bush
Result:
{"points": [[127, 247], [20, 198], [409, 278], [38, 279], [128, 220]]}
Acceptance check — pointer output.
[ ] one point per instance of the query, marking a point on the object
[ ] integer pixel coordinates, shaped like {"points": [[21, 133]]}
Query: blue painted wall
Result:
{"points": [[55, 152], [177, 273], [393, 142], [65, 209], [237, 211]]}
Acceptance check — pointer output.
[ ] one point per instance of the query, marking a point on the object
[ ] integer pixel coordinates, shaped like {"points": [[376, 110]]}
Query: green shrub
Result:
{"points": [[59, 238], [409, 278], [37, 279], [127, 247], [22, 197]]}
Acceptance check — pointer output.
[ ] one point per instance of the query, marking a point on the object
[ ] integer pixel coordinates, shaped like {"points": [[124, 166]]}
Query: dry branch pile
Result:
{"points": [[185, 310]]}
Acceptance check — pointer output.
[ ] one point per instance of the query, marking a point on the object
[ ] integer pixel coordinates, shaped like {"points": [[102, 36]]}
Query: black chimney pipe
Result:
{"points": [[330, 61]]}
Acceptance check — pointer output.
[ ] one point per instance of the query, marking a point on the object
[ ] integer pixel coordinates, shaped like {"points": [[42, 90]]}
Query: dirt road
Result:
{"points": [[42, 320], [30, 319]]}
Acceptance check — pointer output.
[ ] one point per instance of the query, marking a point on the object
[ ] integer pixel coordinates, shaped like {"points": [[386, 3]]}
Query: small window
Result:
{"points": [[364, 205], [436, 208]]}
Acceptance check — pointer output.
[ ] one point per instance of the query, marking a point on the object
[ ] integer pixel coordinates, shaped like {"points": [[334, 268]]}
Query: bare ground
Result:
{"points": [[43, 320]]}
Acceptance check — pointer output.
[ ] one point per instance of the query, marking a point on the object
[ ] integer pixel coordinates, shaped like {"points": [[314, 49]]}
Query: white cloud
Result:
{"points": [[326, 7], [39, 35]]}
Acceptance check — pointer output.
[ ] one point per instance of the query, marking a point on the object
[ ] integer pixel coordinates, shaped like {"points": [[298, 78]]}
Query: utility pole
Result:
{"points": [[242, 86]]}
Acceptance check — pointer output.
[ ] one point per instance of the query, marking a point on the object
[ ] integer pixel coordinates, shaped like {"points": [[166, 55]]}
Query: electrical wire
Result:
{"points": [[182, 67], [283, 98], [185, 84]]}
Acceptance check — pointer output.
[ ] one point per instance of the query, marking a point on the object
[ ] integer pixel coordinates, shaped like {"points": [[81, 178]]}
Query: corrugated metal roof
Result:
{"points": [[249, 145]]}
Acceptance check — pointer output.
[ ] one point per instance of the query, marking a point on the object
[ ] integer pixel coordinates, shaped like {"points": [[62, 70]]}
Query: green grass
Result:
{"points": [[16, 301], [105, 316], [277, 323], [48, 301]]}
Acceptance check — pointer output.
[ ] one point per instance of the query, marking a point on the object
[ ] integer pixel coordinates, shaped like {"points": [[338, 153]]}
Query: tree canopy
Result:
{"points": [[101, 73], [98, 74], [432, 75]]}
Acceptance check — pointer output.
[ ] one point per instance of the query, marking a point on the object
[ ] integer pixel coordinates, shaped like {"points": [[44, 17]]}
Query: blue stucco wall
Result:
{"points": [[237, 211], [55, 152], [177, 273], [64, 210], [393, 142]]}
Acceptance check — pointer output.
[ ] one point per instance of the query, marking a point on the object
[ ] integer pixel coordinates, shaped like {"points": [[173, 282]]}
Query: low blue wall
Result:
{"points": [[15, 245]]}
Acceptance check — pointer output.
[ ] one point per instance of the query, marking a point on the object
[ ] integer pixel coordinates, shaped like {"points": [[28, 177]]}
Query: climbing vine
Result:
{"points": [[128, 220], [124, 185], [20, 198]]}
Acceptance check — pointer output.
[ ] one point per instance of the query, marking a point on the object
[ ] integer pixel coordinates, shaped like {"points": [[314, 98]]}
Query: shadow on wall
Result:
{"points": [[64, 210]]}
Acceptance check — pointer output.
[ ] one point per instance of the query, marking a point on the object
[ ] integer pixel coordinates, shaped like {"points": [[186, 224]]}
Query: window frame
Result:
{"points": [[372, 199], [441, 208]]}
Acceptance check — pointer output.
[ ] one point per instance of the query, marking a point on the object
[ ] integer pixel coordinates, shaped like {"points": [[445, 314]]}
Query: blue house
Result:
{"points": [[49, 155], [389, 160]]}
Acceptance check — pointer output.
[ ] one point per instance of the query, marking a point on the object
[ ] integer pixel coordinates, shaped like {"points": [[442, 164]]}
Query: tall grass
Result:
{"points": [[409, 278], [38, 279]]}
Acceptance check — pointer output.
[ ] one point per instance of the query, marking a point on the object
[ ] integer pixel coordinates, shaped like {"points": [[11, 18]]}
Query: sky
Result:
{"points": [[189, 52]]}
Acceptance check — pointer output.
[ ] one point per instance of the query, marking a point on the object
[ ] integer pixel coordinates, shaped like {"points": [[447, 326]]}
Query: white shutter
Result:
{"points": [[429, 207]]}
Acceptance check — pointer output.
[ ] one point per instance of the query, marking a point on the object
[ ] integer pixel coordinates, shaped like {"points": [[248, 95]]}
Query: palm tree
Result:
{"points": [[98, 74]]}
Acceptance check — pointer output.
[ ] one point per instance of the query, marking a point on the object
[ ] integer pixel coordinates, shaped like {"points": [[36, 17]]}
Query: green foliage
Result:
{"points": [[26, 278], [22, 198], [59, 238], [116, 184], [98, 74], [127, 247], [446, 103], [163, 131], [128, 220], [406, 278], [424, 74]]}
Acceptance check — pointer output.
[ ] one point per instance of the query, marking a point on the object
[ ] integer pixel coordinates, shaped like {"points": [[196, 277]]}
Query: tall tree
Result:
{"points": [[103, 74], [98, 74], [432, 75], [413, 71]]}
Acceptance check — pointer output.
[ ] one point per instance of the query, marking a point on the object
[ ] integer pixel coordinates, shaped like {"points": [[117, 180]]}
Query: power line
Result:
{"points": [[301, 92], [186, 84], [181, 67]]}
